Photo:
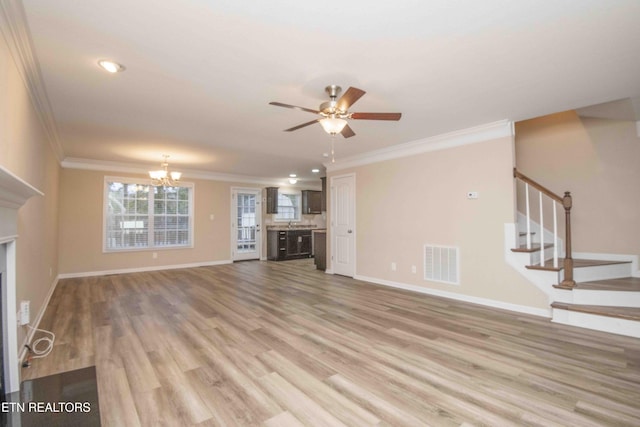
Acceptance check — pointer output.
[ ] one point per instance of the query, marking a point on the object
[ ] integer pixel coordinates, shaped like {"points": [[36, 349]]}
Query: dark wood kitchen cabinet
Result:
{"points": [[323, 200], [288, 244], [320, 249], [311, 202], [276, 245], [272, 200]]}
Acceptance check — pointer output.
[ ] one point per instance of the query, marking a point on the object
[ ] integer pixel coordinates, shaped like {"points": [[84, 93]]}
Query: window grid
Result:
{"points": [[139, 216], [246, 222], [288, 207]]}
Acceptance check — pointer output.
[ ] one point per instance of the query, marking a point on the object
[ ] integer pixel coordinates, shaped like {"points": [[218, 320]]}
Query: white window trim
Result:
{"points": [[143, 181], [298, 211]]}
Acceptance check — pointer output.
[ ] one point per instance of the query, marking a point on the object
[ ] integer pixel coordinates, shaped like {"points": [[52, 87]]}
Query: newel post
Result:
{"points": [[568, 281]]}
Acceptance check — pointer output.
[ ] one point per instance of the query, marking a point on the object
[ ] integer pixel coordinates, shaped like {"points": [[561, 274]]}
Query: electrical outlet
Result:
{"points": [[25, 312], [154, 255], [413, 269], [393, 266]]}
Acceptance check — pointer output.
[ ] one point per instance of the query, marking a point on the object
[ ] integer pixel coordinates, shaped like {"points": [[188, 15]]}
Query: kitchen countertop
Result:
{"points": [[293, 227]]}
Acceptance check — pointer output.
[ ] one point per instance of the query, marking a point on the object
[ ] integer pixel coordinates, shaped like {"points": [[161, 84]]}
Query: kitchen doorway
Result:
{"points": [[246, 215]]}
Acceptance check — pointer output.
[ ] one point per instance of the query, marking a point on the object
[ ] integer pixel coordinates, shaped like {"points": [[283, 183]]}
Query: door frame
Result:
{"points": [[333, 212], [234, 226]]}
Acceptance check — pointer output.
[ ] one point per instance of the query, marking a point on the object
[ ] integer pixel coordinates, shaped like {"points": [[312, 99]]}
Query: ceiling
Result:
{"points": [[200, 73]]}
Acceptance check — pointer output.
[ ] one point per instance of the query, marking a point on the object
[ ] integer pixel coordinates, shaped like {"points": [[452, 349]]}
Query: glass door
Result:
{"points": [[246, 214]]}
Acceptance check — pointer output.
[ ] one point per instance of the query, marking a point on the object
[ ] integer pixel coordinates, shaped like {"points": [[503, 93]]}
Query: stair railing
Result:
{"points": [[566, 202]]}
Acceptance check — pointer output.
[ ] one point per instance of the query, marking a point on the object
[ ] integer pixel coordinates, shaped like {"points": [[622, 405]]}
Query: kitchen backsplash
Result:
{"points": [[317, 221]]}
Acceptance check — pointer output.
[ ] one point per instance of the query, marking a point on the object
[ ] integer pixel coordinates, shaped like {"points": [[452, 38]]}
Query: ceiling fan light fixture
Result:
{"points": [[110, 66], [332, 125]]}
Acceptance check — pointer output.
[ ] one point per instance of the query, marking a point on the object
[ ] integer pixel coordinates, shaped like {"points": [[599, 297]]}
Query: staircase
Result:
{"points": [[599, 294]]}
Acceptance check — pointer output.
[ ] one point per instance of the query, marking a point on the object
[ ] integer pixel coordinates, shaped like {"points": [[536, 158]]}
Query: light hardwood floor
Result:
{"points": [[281, 344]]}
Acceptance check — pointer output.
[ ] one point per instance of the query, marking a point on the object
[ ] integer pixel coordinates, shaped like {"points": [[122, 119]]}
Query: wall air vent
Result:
{"points": [[441, 264]]}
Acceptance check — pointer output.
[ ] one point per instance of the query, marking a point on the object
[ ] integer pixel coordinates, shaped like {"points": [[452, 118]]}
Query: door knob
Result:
{"points": [[349, 231]]}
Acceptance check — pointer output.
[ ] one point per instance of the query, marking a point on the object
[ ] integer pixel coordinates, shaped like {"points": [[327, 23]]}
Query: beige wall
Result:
{"points": [[26, 152], [597, 160], [81, 222], [403, 204]]}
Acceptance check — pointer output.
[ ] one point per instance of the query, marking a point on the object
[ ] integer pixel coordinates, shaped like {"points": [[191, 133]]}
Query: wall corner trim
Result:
{"points": [[474, 135]]}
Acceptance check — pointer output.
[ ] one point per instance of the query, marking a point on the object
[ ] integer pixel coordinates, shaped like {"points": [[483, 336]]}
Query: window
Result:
{"points": [[140, 216], [288, 207]]}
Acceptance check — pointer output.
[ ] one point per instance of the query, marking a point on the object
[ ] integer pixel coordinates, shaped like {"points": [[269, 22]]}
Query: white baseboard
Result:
{"points": [[143, 269], [36, 323], [460, 297]]}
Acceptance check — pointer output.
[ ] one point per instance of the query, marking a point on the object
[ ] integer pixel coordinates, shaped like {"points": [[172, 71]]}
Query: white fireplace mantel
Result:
{"points": [[14, 192]]}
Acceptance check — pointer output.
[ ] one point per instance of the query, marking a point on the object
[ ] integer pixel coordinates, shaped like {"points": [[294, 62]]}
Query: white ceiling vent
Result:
{"points": [[441, 264]]}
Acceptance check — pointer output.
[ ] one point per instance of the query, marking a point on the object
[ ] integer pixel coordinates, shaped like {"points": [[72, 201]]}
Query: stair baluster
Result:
{"points": [[566, 203]]}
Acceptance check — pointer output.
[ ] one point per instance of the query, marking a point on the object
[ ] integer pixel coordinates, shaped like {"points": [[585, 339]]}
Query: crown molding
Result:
{"points": [[15, 30], [474, 135], [106, 166]]}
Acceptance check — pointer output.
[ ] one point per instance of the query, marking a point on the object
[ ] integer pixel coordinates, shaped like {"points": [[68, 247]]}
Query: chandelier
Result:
{"points": [[163, 177]]}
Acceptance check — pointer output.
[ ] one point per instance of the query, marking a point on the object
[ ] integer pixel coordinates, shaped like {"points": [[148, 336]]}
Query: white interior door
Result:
{"points": [[343, 218], [245, 227]]}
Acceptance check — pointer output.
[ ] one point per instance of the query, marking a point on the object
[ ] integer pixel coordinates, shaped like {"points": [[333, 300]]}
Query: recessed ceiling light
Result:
{"points": [[315, 170], [110, 66]]}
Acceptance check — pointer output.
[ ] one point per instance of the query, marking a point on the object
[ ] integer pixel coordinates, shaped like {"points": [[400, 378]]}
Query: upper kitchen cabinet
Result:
{"points": [[311, 202], [272, 200], [323, 203]]}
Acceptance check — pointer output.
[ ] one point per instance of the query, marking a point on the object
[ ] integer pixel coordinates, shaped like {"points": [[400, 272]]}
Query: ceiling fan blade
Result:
{"points": [[301, 126], [349, 98], [295, 107], [375, 116], [347, 132]]}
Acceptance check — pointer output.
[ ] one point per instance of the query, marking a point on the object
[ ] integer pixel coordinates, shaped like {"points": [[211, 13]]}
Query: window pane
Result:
{"points": [[127, 216], [288, 207]]}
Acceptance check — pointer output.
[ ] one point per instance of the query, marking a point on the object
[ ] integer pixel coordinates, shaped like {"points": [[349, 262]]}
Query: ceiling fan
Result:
{"points": [[335, 112]]}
